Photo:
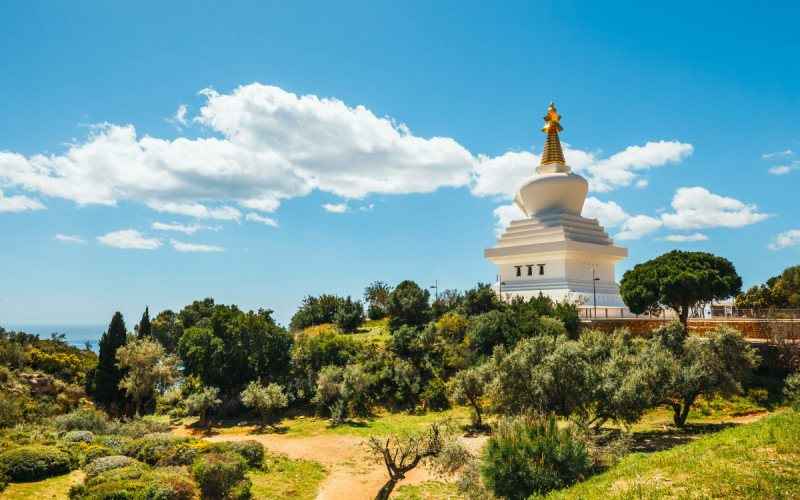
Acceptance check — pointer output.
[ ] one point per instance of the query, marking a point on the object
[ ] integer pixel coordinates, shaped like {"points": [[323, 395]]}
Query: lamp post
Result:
{"points": [[594, 293], [435, 286]]}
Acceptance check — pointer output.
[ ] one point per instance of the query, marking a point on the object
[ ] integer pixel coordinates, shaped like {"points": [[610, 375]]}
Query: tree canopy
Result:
{"points": [[679, 280], [408, 305]]}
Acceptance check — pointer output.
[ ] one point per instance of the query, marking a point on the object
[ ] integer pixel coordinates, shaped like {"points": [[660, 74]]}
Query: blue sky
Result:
{"points": [[238, 124]]}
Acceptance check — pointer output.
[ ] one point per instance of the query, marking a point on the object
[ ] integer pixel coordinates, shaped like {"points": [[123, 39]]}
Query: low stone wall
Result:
{"points": [[643, 327]]}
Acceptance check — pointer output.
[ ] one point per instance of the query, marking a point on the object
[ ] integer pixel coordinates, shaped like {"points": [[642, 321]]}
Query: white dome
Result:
{"points": [[552, 193]]}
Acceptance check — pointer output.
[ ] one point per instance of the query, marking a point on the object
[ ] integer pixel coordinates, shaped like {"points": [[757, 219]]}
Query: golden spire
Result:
{"points": [[552, 147]]}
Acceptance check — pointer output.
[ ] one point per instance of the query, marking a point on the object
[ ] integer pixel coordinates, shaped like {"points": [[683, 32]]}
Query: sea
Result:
{"points": [[78, 335]]}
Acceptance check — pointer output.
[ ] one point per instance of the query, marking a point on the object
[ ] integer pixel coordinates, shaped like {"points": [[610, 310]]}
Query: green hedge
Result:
{"points": [[33, 462], [137, 482], [222, 476]]}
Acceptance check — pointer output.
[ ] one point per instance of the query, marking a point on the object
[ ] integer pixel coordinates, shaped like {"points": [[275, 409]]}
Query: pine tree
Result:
{"points": [[144, 329], [107, 375]]}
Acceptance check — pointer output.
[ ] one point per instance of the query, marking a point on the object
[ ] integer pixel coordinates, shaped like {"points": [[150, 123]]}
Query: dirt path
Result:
{"points": [[352, 476]]}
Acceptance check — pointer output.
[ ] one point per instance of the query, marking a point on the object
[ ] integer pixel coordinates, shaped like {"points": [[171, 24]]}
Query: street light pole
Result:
{"points": [[594, 293], [435, 286]]}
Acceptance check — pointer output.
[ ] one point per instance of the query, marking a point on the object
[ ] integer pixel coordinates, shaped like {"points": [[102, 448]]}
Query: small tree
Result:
{"points": [[377, 296], [315, 311], [265, 400], [792, 390], [343, 392], [469, 387], [679, 280], [148, 370], [350, 315], [693, 366], [108, 375], [408, 305], [144, 328], [201, 401], [436, 447]]}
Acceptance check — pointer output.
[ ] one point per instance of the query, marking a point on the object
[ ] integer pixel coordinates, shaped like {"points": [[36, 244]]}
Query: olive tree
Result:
{"points": [[343, 392], [436, 447], [149, 371], [349, 315], [595, 379], [469, 387], [693, 366], [201, 401], [679, 280], [265, 400]]}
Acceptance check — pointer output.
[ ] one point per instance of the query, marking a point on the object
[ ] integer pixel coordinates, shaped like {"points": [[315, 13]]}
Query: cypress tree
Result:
{"points": [[144, 329], [107, 375]]}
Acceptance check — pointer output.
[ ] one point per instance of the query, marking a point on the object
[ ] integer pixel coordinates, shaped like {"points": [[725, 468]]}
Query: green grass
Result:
{"points": [[284, 478], [382, 423], [55, 487], [429, 490], [757, 460], [373, 332]]}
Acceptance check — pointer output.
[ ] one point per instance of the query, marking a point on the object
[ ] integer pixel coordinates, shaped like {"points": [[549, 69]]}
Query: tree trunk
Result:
{"points": [[138, 407], [681, 413], [386, 490], [479, 423], [203, 417], [683, 316]]}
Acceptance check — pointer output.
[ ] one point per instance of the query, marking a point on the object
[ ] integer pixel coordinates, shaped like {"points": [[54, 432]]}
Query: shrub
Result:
{"points": [[531, 456], [792, 390], [104, 464], [137, 482], [93, 452], [251, 450], [118, 444], [138, 427], [78, 437], [84, 419], [434, 396], [32, 462], [221, 476], [162, 449]]}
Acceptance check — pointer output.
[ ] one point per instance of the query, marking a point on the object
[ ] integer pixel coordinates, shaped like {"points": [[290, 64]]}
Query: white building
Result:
{"points": [[552, 249]]}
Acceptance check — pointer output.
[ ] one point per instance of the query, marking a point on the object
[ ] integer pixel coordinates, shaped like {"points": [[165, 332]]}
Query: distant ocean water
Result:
{"points": [[77, 335]]}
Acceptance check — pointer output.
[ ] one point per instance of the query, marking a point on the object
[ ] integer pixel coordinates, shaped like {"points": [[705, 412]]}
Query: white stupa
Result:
{"points": [[552, 249]]}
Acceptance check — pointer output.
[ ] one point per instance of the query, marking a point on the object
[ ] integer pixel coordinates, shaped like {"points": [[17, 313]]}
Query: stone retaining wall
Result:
{"points": [[642, 327]]}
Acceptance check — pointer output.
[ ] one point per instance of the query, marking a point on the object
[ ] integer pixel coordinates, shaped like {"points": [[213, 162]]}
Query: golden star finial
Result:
{"points": [[551, 120]]}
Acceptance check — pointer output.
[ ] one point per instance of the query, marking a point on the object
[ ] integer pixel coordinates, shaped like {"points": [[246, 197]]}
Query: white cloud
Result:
{"points": [[18, 203], [681, 238], [641, 184], [267, 221], [129, 238], [621, 169], [501, 175], [337, 208], [367, 208], [786, 239], [698, 208], [180, 115], [784, 169], [181, 228], [504, 214], [266, 145], [637, 226], [609, 213], [194, 247], [777, 154], [66, 238], [196, 210]]}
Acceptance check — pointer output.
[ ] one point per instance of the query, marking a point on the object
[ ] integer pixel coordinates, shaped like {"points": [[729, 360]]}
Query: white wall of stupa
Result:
{"points": [[552, 249]]}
